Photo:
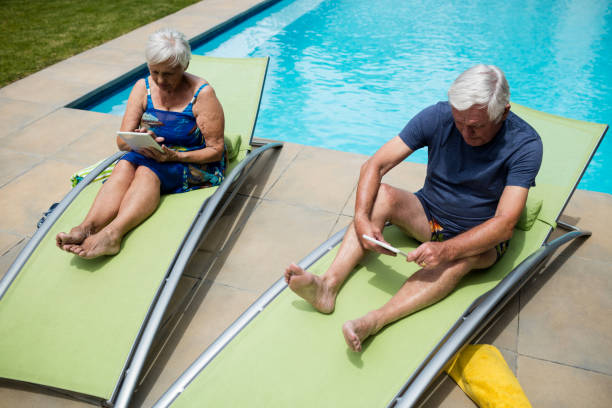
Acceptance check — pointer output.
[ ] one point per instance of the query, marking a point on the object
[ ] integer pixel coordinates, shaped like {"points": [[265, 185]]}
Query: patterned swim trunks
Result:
{"points": [[438, 235]]}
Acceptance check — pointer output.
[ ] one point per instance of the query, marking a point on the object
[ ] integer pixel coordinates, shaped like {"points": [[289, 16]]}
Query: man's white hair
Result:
{"points": [[481, 85], [168, 45]]}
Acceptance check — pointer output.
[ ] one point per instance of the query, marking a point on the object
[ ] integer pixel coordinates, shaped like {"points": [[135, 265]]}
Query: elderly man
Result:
{"points": [[482, 160]]}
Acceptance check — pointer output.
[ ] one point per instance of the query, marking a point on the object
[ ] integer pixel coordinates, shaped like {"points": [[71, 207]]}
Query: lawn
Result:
{"points": [[39, 33]]}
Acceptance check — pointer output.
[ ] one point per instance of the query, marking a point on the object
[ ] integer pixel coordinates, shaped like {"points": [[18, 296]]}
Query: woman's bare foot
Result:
{"points": [[65, 240], [104, 242], [311, 288], [356, 331]]}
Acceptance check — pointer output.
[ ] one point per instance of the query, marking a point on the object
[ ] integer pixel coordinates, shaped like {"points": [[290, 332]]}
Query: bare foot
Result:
{"points": [[356, 331], [311, 288], [76, 236], [101, 243]]}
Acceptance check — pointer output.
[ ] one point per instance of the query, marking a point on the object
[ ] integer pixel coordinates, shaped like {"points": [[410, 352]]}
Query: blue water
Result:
{"points": [[348, 74]]}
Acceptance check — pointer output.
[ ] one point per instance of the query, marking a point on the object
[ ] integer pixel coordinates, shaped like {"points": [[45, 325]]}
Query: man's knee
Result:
{"points": [[387, 194]]}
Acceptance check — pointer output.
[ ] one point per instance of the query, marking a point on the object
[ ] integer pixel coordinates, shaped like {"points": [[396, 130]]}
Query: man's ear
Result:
{"points": [[506, 112]]}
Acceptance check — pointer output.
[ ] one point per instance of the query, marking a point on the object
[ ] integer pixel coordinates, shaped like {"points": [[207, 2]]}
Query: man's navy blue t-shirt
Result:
{"points": [[464, 183]]}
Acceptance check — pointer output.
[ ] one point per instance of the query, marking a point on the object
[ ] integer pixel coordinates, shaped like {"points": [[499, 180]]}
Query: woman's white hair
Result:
{"points": [[168, 45], [481, 85]]}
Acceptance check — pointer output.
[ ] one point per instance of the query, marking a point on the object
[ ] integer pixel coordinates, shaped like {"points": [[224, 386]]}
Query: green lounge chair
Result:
{"points": [[281, 353], [84, 327]]}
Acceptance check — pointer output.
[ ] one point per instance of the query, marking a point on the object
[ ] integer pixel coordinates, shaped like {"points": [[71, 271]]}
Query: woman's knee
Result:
{"points": [[123, 171], [145, 175]]}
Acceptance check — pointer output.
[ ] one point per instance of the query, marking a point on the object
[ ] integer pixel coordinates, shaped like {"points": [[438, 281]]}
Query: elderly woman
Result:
{"points": [[181, 112]]}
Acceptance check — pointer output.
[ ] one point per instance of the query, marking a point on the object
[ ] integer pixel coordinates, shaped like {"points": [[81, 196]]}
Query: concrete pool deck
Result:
{"points": [[555, 334]]}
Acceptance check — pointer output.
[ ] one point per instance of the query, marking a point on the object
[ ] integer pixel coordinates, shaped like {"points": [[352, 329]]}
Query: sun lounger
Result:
{"points": [[84, 327], [281, 352]]}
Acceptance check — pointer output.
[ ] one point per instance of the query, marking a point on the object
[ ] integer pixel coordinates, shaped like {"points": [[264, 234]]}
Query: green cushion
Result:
{"points": [[232, 145], [530, 213]]}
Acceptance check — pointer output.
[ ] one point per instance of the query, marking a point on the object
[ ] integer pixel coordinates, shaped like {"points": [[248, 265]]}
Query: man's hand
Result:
{"points": [[364, 226], [429, 255]]}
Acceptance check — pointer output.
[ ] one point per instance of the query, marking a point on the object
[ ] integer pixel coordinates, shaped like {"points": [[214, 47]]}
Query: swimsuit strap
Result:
{"points": [[198, 92], [149, 99], [188, 108]]}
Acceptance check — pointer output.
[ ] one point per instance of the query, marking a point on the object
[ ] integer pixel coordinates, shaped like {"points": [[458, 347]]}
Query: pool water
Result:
{"points": [[348, 74]]}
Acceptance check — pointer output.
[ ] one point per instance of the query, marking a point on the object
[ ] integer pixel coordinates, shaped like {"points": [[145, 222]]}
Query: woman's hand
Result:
{"points": [[168, 155]]}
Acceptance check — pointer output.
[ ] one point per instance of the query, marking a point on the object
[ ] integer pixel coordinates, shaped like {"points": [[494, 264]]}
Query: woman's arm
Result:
{"points": [[136, 106], [211, 122]]}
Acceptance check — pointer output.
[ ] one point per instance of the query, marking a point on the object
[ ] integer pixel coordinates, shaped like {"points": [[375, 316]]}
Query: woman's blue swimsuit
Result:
{"points": [[181, 132]]}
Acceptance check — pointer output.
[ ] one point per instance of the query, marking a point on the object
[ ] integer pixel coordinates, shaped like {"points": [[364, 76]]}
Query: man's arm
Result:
{"points": [[480, 238], [372, 172]]}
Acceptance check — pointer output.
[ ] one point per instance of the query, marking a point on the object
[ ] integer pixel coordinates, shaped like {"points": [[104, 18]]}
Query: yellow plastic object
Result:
{"points": [[482, 373]]}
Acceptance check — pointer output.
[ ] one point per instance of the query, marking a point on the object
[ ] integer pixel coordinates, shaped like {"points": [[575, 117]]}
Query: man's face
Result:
{"points": [[475, 126]]}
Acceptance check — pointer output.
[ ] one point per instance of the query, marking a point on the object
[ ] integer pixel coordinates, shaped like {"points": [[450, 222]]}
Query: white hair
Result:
{"points": [[168, 45], [481, 85]]}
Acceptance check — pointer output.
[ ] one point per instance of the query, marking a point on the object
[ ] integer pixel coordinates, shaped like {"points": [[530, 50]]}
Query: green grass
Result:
{"points": [[39, 33]]}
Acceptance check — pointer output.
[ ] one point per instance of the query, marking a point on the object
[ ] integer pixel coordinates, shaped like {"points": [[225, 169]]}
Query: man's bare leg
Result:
{"points": [[401, 207], [104, 208], [321, 291], [139, 202], [423, 288]]}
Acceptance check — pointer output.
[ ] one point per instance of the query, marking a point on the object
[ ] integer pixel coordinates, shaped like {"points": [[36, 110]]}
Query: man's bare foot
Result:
{"points": [[311, 288], [65, 240], [101, 243], [356, 331]]}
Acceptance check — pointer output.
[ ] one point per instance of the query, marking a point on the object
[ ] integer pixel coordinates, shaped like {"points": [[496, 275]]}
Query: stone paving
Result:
{"points": [[555, 334]]}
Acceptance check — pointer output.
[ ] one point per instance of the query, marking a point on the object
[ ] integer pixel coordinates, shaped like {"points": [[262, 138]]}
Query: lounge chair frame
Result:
{"points": [[208, 214], [473, 321]]}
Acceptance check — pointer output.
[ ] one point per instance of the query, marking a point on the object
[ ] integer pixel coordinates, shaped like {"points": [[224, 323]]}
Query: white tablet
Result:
{"points": [[386, 246], [139, 140]]}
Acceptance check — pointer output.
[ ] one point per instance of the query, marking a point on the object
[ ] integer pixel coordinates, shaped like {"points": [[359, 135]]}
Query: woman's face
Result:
{"points": [[165, 76]]}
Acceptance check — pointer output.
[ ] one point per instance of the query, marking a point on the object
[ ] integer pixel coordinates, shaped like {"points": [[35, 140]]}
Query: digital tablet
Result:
{"points": [[386, 246], [139, 140]]}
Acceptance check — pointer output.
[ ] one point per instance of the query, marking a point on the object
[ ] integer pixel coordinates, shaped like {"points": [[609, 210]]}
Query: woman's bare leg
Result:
{"points": [[139, 202], [104, 208], [398, 206], [423, 288]]}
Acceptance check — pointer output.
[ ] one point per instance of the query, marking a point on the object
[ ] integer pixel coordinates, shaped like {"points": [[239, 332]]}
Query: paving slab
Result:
{"points": [[23, 201], [95, 144], [93, 73], [565, 316], [24, 395], [590, 211], [551, 385], [503, 333], [13, 163], [16, 114], [39, 87], [53, 132], [448, 395], [317, 179], [213, 309], [275, 163], [276, 234]]}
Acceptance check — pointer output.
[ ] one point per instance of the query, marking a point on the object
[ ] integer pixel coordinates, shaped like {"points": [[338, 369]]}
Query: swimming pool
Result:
{"points": [[348, 74]]}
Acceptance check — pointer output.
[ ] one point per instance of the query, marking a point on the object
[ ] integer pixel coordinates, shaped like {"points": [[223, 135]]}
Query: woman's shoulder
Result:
{"points": [[196, 82]]}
